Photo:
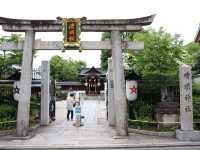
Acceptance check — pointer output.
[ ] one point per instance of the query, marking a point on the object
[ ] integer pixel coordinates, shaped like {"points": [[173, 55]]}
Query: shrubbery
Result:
{"points": [[60, 95], [7, 112]]}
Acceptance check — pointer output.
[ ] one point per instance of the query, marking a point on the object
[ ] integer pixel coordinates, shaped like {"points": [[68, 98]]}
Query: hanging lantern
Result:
{"points": [[16, 90], [131, 90], [86, 84]]}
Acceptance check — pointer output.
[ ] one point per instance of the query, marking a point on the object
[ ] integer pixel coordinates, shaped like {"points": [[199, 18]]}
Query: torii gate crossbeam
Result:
{"points": [[85, 45]]}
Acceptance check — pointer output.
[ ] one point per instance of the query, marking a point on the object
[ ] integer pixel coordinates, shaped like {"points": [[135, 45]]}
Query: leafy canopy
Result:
{"points": [[8, 59], [192, 51], [62, 69], [105, 54], [161, 57], [162, 54]]}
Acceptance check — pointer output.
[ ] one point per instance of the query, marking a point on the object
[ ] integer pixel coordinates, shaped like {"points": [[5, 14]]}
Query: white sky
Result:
{"points": [[176, 16]]}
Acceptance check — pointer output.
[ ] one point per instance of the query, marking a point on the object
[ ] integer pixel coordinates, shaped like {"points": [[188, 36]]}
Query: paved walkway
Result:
{"points": [[94, 133]]}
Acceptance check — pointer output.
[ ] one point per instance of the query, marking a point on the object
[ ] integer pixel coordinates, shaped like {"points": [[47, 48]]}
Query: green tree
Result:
{"points": [[62, 69], [10, 58], [56, 65], [192, 51], [162, 54], [105, 54]]}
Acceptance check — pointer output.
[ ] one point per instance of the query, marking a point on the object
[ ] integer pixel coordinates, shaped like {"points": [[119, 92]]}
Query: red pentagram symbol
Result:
{"points": [[133, 90]]}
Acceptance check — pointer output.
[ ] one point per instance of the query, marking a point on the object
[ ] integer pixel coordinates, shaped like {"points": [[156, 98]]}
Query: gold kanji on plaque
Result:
{"points": [[71, 32]]}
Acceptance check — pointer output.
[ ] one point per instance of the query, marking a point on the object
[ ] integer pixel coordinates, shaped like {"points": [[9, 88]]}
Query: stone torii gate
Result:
{"points": [[114, 26]]}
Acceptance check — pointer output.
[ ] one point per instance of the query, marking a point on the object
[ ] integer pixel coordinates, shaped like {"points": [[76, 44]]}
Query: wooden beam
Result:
{"points": [[58, 45]]}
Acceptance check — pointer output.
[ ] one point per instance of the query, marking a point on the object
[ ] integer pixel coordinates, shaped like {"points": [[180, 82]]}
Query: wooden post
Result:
{"points": [[111, 103], [25, 85], [119, 85], [45, 93]]}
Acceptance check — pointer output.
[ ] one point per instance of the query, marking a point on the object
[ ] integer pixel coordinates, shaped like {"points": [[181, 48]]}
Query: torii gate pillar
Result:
{"points": [[119, 85], [25, 85]]}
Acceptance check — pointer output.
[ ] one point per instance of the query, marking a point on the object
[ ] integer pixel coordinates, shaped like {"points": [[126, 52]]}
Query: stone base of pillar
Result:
{"points": [[188, 135]]}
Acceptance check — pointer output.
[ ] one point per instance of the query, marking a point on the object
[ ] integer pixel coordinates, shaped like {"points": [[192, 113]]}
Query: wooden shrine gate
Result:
{"points": [[114, 26]]}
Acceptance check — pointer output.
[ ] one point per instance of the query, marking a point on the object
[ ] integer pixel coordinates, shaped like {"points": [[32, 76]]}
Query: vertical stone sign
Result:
{"points": [[186, 109]]}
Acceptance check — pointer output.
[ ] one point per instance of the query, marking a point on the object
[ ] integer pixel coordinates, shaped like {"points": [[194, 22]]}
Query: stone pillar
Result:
{"points": [[186, 108], [119, 85], [25, 85], [111, 103], [45, 93]]}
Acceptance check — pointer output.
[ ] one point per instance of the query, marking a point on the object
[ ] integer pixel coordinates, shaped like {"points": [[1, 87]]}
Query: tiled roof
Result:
{"points": [[88, 71], [197, 37]]}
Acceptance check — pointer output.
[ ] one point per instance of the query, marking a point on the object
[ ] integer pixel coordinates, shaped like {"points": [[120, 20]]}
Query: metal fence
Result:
{"points": [[14, 74], [36, 74]]}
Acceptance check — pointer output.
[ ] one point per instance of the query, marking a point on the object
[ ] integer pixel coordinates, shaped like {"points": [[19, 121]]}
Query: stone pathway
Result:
{"points": [[94, 133]]}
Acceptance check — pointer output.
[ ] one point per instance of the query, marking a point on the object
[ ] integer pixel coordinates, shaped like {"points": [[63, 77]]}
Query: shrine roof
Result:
{"points": [[197, 37], [92, 71]]}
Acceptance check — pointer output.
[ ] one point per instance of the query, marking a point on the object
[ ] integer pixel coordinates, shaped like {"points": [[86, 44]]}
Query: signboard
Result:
{"points": [[71, 33], [131, 90]]}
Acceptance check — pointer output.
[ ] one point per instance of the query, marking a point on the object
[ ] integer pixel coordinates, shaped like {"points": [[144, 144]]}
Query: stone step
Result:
{"points": [[105, 147]]}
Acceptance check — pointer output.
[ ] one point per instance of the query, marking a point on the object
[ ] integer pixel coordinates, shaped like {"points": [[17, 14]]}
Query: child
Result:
{"points": [[77, 111]]}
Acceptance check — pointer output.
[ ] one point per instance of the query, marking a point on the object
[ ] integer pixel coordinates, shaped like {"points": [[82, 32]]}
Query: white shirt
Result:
{"points": [[70, 103]]}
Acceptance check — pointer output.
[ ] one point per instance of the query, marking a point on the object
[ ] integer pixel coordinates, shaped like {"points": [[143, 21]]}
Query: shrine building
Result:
{"points": [[91, 81], [197, 37]]}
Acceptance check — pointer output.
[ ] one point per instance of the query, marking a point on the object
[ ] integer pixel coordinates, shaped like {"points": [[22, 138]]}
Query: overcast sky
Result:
{"points": [[176, 16]]}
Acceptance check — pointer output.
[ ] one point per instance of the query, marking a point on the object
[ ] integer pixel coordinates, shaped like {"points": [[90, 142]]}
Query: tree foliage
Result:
{"points": [[105, 54], [162, 54], [192, 51], [62, 69], [10, 58], [161, 57]]}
